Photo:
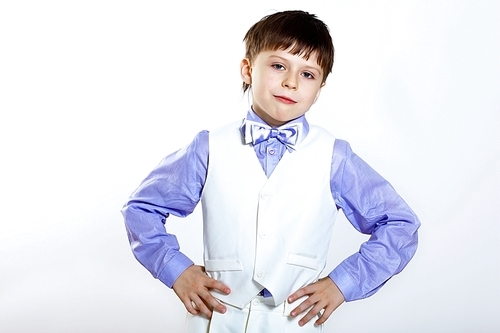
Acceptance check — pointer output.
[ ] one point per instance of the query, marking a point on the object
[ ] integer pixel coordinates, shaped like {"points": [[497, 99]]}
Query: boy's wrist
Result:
{"points": [[344, 282], [174, 268]]}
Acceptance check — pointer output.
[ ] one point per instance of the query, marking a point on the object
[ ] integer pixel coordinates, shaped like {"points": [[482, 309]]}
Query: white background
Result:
{"points": [[94, 93]]}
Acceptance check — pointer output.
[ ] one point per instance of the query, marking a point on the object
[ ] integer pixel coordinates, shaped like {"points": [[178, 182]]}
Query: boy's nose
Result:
{"points": [[289, 82]]}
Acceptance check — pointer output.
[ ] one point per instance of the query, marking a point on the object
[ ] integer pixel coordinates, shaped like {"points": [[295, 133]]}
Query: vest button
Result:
{"points": [[265, 195], [262, 235], [261, 274]]}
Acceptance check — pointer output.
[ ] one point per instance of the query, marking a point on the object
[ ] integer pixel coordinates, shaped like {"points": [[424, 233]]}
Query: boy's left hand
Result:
{"points": [[323, 295]]}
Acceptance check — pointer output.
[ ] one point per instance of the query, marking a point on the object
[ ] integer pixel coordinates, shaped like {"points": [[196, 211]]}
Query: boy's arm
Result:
{"points": [[173, 187], [373, 207]]}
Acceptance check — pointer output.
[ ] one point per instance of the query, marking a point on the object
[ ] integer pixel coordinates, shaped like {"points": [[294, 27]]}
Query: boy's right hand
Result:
{"points": [[192, 287]]}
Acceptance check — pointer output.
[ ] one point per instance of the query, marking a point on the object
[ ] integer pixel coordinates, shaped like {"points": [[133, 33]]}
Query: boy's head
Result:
{"points": [[297, 31]]}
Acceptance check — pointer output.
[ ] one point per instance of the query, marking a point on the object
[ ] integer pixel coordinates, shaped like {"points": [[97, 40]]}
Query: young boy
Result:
{"points": [[270, 188]]}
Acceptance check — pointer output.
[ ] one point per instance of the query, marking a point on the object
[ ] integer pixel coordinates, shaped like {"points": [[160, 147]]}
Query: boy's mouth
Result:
{"points": [[284, 99]]}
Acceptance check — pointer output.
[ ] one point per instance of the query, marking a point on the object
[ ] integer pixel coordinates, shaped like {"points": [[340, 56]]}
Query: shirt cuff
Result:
{"points": [[177, 264], [344, 281]]}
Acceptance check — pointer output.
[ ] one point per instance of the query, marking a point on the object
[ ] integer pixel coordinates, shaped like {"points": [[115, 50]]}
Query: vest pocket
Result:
{"points": [[223, 265], [303, 261]]}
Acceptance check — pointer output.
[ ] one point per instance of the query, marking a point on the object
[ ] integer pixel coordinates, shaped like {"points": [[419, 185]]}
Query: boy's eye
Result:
{"points": [[278, 66], [308, 75]]}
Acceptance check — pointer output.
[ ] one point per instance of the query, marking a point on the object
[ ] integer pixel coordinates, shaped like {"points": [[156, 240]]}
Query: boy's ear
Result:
{"points": [[246, 71]]}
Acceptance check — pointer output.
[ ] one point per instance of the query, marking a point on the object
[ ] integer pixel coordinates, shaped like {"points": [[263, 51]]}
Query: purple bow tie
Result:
{"points": [[257, 133]]}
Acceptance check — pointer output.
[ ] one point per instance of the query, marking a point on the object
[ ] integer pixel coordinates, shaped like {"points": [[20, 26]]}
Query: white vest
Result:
{"points": [[266, 233]]}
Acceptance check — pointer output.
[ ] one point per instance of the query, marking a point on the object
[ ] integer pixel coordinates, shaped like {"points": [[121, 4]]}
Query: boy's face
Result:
{"points": [[284, 86]]}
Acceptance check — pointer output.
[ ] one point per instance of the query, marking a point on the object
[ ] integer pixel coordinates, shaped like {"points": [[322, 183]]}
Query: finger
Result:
{"points": [[217, 285], [201, 307], [325, 315], [304, 305], [191, 307], [307, 290], [317, 312], [212, 303], [313, 312]]}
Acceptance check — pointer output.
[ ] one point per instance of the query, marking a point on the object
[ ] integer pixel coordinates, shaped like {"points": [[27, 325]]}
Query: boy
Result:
{"points": [[268, 220]]}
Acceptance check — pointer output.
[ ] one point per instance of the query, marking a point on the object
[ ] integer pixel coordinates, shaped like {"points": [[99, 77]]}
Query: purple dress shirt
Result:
{"points": [[368, 201]]}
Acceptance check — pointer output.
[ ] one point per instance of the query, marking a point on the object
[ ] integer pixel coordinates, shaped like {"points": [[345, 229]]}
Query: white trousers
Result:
{"points": [[256, 317]]}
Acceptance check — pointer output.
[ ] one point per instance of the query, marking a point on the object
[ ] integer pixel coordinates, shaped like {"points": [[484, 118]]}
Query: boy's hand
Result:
{"points": [[323, 295], [192, 287]]}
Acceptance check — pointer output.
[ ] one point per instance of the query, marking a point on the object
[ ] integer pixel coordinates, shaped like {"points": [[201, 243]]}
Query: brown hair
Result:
{"points": [[304, 33]]}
